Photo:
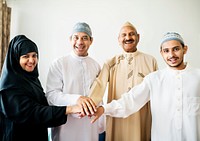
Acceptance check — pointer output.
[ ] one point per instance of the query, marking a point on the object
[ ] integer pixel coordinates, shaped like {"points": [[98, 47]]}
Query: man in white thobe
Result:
{"points": [[68, 82], [173, 92]]}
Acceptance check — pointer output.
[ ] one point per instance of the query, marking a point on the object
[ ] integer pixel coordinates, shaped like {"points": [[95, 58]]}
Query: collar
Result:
{"points": [[130, 54], [80, 58], [188, 67]]}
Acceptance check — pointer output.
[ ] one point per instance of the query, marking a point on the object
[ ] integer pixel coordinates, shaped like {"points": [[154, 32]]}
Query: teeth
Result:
{"points": [[79, 47], [128, 42], [172, 60]]}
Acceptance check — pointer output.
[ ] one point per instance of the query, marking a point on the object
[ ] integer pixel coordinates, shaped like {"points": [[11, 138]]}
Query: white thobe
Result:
{"points": [[70, 77], [175, 104]]}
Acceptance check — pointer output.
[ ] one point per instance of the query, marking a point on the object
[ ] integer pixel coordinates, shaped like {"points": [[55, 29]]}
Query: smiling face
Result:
{"points": [[28, 61], [128, 39], [81, 42], [173, 53]]}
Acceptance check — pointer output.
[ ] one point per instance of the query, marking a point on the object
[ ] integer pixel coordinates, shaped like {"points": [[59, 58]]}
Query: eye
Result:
{"points": [[85, 38], [75, 38], [165, 50], [24, 56], [123, 35], [35, 55], [176, 49], [132, 34]]}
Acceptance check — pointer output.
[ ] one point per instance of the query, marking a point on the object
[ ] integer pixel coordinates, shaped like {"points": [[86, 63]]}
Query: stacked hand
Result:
{"points": [[86, 107]]}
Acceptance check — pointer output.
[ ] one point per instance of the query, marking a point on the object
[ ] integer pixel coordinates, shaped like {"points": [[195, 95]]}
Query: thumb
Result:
{"points": [[94, 119]]}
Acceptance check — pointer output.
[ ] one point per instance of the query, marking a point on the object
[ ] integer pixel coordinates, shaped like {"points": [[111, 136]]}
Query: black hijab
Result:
{"points": [[13, 76]]}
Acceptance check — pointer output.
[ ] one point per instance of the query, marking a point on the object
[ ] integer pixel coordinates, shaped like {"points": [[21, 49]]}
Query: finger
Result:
{"points": [[82, 112], [80, 115], [90, 108], [89, 116], [81, 100], [85, 108], [93, 105], [94, 119]]}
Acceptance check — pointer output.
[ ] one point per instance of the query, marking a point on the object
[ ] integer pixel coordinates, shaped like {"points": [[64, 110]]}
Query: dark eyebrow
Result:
{"points": [[85, 36], [82, 36], [173, 47], [176, 46]]}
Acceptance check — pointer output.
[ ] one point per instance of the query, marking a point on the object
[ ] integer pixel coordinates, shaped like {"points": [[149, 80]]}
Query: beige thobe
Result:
{"points": [[121, 73]]}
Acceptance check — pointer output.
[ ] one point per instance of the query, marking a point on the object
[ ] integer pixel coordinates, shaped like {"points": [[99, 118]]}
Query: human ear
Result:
{"points": [[185, 48]]}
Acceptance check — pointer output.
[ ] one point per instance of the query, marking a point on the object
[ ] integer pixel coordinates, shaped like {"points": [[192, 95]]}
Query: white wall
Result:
{"points": [[49, 23]]}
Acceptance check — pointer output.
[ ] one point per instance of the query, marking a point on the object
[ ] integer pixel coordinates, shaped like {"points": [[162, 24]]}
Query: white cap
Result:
{"points": [[172, 36]]}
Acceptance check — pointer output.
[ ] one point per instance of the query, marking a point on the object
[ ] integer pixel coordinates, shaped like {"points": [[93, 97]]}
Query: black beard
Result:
{"points": [[177, 65]]}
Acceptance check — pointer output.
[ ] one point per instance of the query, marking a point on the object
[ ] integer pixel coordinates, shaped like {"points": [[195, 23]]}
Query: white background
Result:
{"points": [[49, 23]]}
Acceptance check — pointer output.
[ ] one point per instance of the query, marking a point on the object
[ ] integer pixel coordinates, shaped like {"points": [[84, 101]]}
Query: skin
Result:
{"points": [[128, 39], [173, 54], [81, 42], [28, 62]]}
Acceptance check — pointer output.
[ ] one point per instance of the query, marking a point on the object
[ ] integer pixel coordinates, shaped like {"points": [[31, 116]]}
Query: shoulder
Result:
{"points": [[114, 60], [92, 61], [157, 74], [194, 71], [60, 60], [145, 55]]}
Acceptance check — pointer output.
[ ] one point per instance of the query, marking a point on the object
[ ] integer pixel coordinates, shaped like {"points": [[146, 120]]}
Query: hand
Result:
{"points": [[97, 114], [87, 104], [76, 109]]}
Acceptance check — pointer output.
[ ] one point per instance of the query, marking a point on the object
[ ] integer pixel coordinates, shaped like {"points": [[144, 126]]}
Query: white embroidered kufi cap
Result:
{"points": [[172, 36]]}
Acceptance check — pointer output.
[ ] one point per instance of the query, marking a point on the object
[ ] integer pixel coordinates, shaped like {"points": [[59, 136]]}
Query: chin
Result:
{"points": [[30, 70]]}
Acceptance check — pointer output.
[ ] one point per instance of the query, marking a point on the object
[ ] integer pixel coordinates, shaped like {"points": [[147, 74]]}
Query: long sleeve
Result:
{"points": [[130, 102], [69, 78], [25, 109], [99, 86], [55, 84]]}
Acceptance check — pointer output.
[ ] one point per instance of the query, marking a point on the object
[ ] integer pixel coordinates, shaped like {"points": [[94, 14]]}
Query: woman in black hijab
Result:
{"points": [[24, 112]]}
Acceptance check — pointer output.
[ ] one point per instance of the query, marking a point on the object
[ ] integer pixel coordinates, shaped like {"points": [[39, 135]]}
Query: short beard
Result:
{"points": [[177, 65]]}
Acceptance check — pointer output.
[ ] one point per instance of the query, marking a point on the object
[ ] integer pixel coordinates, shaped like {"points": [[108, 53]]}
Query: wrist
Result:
{"points": [[102, 109], [68, 110]]}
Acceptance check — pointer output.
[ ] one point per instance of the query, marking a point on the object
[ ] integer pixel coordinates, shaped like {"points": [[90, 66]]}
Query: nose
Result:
{"points": [[80, 41], [127, 37], [171, 53], [31, 60]]}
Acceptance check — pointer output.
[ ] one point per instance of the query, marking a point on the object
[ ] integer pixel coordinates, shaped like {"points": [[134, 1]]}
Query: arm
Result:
{"points": [[75, 109], [99, 86], [128, 104], [55, 88], [23, 108]]}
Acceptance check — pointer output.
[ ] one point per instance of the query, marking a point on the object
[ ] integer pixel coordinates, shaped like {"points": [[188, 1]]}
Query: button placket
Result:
{"points": [[179, 105]]}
